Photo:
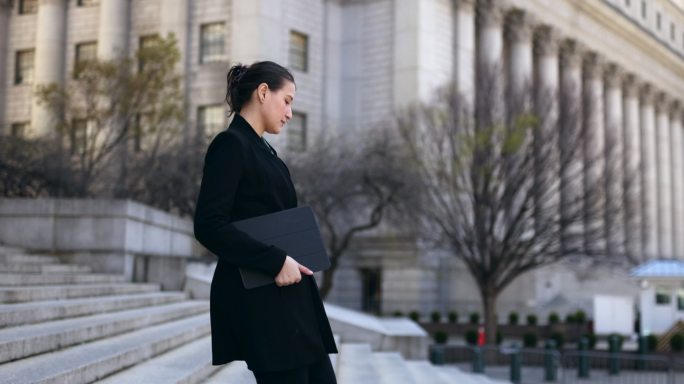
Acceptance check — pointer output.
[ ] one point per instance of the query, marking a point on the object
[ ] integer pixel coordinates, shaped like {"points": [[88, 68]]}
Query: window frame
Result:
{"points": [[19, 128], [21, 9], [297, 139], [207, 128], [87, 3], [20, 65], [300, 53], [662, 295], [206, 45]]}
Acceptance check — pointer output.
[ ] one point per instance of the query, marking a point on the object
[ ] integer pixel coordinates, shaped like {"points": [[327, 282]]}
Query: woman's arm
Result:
{"points": [[223, 167]]}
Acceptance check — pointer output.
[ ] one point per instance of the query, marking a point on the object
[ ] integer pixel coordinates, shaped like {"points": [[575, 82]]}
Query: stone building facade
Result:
{"points": [[357, 62]]}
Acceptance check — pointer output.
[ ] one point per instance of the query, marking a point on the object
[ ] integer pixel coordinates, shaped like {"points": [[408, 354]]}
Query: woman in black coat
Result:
{"points": [[280, 330]]}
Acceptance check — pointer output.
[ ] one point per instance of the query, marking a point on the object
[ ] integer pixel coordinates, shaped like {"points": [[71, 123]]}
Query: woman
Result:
{"points": [[280, 330]]}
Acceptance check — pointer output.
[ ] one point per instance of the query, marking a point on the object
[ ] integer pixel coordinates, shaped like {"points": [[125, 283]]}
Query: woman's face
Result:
{"points": [[277, 107]]}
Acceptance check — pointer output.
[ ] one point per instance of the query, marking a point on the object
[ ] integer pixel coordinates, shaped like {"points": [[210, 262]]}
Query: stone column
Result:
{"points": [[632, 164], [614, 177], [175, 20], [664, 169], [49, 59], [489, 92], [519, 39], [5, 10], [546, 108], [464, 50], [677, 152], [112, 39], [571, 148], [649, 175], [594, 155]]}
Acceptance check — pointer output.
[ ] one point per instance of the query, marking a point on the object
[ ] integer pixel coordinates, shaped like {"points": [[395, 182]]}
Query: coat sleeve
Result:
{"points": [[223, 167]]}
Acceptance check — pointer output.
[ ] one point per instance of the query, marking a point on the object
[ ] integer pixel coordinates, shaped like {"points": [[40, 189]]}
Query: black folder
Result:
{"points": [[295, 231]]}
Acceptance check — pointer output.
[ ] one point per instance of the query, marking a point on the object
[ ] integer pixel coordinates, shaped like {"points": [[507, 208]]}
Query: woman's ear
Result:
{"points": [[262, 91]]}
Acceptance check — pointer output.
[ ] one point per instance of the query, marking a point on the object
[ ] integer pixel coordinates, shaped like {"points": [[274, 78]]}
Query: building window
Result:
{"points": [[643, 9], [85, 52], [296, 132], [27, 7], [87, 3], [145, 42], [78, 137], [658, 19], [627, 3], [662, 295], [19, 129], [672, 31], [371, 290], [211, 120], [23, 67], [299, 51], [212, 37], [680, 300]]}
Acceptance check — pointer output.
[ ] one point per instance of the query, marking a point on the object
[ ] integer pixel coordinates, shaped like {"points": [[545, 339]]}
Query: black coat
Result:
{"points": [[271, 328]]}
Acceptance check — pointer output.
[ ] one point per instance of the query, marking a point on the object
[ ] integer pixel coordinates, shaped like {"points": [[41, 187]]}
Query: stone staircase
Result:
{"points": [[62, 323]]}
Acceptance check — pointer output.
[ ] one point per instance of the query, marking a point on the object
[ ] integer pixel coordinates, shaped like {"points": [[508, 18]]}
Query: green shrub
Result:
{"points": [[453, 317], [513, 318], [677, 342], [474, 318], [580, 317], [532, 320], [436, 317], [570, 318], [651, 343], [471, 337], [558, 338], [440, 337], [530, 340], [398, 314], [591, 340], [553, 318], [414, 315]]}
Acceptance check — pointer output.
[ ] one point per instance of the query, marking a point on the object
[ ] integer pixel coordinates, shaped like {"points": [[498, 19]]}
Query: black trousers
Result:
{"points": [[320, 372]]}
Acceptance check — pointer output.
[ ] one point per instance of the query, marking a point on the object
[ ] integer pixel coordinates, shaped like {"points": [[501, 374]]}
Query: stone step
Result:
{"points": [[454, 375], [6, 249], [424, 372], [392, 368], [18, 279], [29, 340], [355, 365], [89, 362], [60, 292], [43, 268], [40, 311], [188, 364], [235, 372], [20, 258]]}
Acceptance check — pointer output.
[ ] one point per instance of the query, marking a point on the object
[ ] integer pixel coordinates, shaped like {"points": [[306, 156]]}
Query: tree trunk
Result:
{"points": [[489, 297]]}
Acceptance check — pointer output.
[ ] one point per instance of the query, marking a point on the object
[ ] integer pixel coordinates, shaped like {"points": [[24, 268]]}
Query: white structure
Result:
{"points": [[661, 300], [357, 62]]}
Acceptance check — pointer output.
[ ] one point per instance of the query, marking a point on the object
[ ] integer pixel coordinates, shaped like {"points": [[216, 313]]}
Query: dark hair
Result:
{"points": [[243, 80]]}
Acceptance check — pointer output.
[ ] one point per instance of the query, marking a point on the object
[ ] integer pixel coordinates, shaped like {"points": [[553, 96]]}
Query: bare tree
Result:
{"points": [[111, 105], [507, 197], [354, 184]]}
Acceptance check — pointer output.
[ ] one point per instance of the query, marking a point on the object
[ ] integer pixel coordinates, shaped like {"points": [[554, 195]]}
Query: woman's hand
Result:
{"points": [[291, 272]]}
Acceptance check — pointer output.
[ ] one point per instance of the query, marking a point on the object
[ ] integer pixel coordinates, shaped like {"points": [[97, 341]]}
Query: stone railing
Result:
{"points": [[113, 236]]}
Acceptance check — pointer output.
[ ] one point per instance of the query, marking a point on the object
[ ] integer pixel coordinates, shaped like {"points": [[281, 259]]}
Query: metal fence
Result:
{"points": [[549, 365]]}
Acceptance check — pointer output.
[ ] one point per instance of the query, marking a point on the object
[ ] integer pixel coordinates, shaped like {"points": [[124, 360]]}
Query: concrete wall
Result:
{"points": [[115, 236]]}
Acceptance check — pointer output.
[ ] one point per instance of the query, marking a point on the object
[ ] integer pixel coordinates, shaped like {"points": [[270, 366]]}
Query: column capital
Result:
{"points": [[464, 4], [646, 93], [570, 53], [630, 85], [662, 102], [518, 25], [592, 66], [614, 75], [546, 41], [676, 110], [489, 12]]}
